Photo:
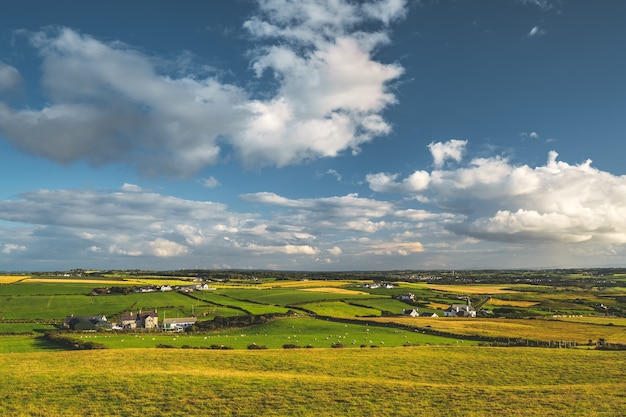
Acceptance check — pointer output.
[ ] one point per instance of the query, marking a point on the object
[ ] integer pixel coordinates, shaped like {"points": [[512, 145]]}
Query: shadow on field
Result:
{"points": [[43, 344]]}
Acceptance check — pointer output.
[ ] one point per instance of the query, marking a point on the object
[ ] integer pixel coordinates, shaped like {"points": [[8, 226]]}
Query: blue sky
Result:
{"points": [[312, 135]]}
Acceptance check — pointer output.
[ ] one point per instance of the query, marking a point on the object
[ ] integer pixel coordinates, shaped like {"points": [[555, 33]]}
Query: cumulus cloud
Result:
{"points": [[9, 77], [142, 226], [109, 102], [400, 248], [443, 151], [344, 213], [331, 90], [499, 201], [383, 182]]}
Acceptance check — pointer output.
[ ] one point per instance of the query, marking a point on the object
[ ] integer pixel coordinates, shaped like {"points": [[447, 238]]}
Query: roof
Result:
{"points": [[180, 320]]}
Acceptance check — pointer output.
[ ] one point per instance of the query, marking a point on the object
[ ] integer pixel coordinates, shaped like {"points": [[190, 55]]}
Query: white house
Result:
{"points": [[460, 310], [178, 324], [410, 312]]}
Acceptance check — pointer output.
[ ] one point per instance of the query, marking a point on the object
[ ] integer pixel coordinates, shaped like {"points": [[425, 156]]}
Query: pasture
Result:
{"points": [[404, 381], [296, 332], [529, 329]]}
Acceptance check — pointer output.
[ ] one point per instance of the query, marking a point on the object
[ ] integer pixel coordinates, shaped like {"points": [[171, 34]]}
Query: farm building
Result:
{"points": [[86, 322], [178, 324], [460, 310], [410, 312], [141, 320]]}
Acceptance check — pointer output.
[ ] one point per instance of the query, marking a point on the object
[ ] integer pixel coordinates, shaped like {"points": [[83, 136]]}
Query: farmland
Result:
{"points": [[289, 344], [413, 381]]}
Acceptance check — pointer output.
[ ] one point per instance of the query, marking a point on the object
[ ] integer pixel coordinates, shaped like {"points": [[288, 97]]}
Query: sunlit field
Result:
{"points": [[306, 284], [472, 289], [535, 329], [404, 381], [513, 303], [10, 279]]}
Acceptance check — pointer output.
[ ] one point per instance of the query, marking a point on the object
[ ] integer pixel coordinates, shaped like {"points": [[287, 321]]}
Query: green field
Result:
{"points": [[301, 332], [324, 348], [413, 381]]}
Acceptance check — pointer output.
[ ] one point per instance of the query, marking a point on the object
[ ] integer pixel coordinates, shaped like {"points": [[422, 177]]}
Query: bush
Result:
{"points": [[291, 346], [254, 346], [220, 347], [68, 342]]}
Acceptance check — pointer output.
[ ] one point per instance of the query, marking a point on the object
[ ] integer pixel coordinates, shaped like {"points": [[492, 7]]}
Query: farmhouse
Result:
{"points": [[178, 324], [407, 297], [410, 312], [141, 320], [460, 310]]}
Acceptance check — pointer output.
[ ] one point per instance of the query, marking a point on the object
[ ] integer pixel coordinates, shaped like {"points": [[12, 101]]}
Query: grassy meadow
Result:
{"points": [[405, 381]]}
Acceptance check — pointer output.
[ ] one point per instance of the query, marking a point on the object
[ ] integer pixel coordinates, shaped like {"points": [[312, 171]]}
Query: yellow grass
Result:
{"points": [[82, 281], [599, 320], [333, 290], [473, 289], [511, 303], [532, 329], [305, 284], [10, 279], [161, 281], [414, 381], [438, 306]]}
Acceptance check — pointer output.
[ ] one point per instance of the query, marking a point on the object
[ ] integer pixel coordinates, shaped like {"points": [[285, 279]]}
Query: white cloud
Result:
{"points": [[108, 102], [335, 251], [131, 188], [383, 182], [331, 91], [400, 248], [210, 182], [536, 31], [556, 202], [9, 77], [442, 151], [543, 4], [10, 247], [167, 248], [286, 249], [107, 227]]}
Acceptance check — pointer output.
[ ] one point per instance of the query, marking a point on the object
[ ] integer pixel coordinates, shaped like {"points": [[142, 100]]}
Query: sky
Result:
{"points": [[312, 134]]}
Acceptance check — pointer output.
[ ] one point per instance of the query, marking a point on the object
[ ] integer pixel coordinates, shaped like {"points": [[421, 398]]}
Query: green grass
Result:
{"points": [[384, 304], [297, 331], [45, 288], [414, 381], [25, 344], [248, 306], [31, 327], [285, 297], [52, 306], [340, 309]]}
